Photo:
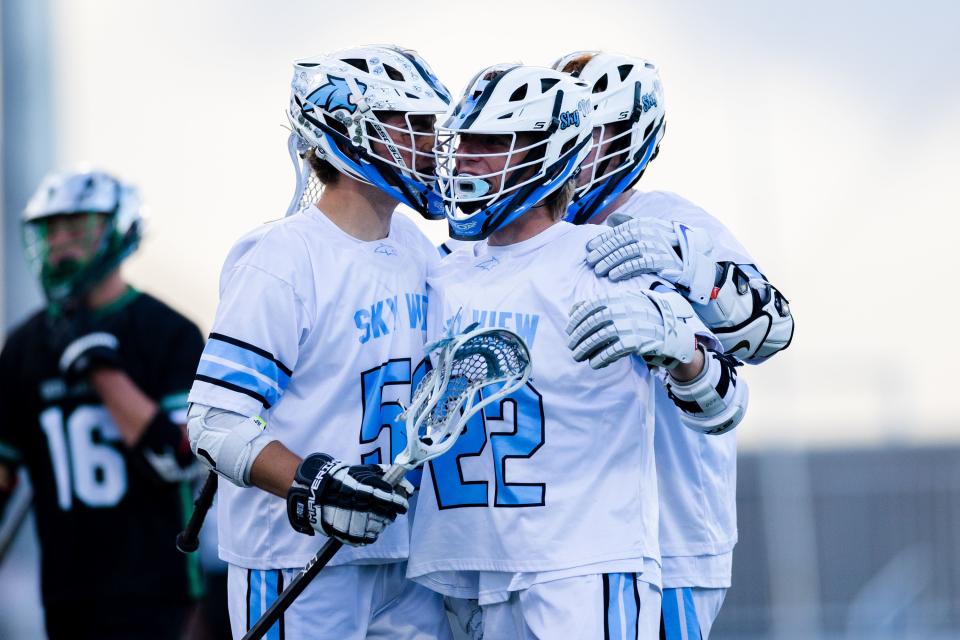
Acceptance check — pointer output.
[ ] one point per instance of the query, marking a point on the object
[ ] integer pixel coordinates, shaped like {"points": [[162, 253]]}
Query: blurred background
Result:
{"points": [[825, 135]]}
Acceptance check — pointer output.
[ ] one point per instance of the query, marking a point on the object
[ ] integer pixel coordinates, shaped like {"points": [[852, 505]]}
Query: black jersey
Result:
{"points": [[106, 522]]}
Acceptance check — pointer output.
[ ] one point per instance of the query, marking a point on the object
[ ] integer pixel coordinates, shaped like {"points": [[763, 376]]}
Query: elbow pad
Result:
{"points": [[716, 400], [226, 442], [749, 316]]}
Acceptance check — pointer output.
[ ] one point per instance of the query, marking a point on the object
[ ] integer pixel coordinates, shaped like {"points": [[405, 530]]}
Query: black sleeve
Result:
{"points": [[177, 356], [180, 358]]}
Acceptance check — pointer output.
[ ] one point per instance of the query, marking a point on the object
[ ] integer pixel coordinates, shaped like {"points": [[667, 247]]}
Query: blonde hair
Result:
{"points": [[560, 199]]}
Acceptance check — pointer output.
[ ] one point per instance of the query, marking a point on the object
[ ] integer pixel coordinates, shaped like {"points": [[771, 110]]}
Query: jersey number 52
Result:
{"points": [[385, 390]]}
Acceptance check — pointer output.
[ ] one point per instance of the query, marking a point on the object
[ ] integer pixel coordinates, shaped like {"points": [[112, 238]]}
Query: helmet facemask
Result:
{"points": [[409, 147], [468, 187], [93, 250], [612, 170], [608, 153], [516, 137]]}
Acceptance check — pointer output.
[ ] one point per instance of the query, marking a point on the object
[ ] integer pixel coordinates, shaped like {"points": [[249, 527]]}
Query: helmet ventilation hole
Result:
{"points": [[359, 63]]}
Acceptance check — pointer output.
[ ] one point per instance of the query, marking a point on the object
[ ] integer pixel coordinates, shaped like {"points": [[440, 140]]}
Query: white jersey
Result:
{"points": [[558, 480], [321, 334], [697, 474]]}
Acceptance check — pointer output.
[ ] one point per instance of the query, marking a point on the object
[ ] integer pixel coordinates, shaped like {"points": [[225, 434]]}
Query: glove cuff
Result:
{"points": [[308, 484], [679, 340], [86, 352]]}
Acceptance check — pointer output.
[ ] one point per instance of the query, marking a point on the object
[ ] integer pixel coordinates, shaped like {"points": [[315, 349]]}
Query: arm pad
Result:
{"points": [[749, 316], [226, 442], [716, 400]]}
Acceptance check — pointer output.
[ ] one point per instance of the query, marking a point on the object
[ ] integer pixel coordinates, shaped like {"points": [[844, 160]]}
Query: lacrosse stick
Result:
{"points": [[446, 398], [189, 539], [17, 511]]}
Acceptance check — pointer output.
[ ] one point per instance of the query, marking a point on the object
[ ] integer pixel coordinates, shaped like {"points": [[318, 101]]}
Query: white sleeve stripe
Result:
{"points": [[253, 372]]}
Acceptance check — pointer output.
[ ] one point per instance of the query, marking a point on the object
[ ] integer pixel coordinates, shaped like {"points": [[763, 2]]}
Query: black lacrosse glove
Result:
{"points": [[83, 344], [352, 504], [89, 352]]}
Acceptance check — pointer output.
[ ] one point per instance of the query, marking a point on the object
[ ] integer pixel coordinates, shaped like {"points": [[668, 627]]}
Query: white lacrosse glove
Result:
{"points": [[353, 504], [648, 324], [671, 250]]}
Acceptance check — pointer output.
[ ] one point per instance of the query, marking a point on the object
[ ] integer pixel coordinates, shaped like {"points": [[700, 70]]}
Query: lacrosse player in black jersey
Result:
{"points": [[93, 389]]}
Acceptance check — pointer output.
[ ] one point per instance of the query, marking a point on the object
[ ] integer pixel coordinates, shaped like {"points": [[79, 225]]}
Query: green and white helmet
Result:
{"points": [[82, 193]]}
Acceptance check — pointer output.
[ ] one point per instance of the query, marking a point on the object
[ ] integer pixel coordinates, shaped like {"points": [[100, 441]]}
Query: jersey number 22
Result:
{"points": [[523, 409]]}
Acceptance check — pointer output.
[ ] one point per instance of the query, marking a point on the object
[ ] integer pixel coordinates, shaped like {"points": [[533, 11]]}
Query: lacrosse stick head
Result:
{"points": [[449, 395]]}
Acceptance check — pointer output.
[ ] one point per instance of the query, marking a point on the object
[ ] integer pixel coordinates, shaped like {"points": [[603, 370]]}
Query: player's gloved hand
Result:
{"points": [[648, 324], [671, 250], [350, 503], [87, 347]]}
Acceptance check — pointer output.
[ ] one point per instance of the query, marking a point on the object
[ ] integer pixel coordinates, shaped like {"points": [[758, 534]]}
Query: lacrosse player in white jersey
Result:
{"points": [[546, 508], [660, 233], [317, 341]]}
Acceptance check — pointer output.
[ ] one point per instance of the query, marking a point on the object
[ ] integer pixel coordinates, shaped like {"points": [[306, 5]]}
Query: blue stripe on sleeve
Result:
{"points": [[248, 359], [241, 379]]}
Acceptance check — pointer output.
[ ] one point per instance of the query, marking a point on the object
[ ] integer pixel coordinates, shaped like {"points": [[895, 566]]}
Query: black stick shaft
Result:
{"points": [[294, 589], [189, 539]]}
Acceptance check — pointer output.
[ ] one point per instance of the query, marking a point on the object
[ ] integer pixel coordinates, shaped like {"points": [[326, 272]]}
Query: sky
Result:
{"points": [[824, 135]]}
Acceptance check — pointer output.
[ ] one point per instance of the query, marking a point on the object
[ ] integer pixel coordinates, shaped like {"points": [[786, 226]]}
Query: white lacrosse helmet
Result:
{"points": [[625, 89], [510, 100], [334, 105], [81, 193]]}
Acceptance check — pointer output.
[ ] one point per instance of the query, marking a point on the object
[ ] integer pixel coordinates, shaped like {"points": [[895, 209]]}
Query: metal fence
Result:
{"points": [[850, 544]]}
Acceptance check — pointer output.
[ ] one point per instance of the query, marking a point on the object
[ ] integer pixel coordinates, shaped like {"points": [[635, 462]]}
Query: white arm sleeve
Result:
{"points": [[716, 400], [226, 442]]}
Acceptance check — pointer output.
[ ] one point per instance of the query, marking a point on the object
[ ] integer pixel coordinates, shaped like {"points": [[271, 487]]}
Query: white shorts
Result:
{"points": [[611, 606], [689, 612], [346, 602]]}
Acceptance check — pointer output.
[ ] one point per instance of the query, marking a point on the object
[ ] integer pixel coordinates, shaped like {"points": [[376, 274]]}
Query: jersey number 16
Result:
{"points": [[84, 456]]}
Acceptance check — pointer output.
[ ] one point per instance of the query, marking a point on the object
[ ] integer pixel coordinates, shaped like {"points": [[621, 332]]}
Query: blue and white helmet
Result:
{"points": [[630, 119], [334, 104], [81, 193], [553, 108]]}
